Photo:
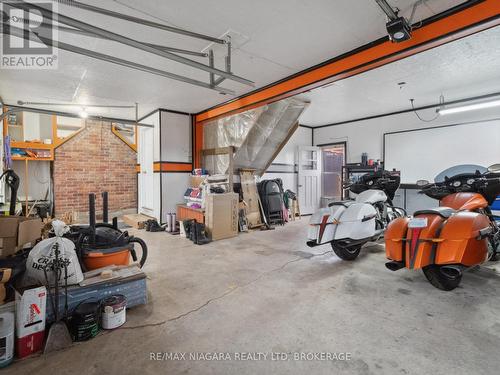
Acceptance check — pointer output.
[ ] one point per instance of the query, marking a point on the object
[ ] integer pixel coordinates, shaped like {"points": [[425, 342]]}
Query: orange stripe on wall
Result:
{"points": [[166, 166]]}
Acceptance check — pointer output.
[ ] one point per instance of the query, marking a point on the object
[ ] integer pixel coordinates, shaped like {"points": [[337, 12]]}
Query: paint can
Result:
{"points": [[113, 311], [85, 321], [6, 338]]}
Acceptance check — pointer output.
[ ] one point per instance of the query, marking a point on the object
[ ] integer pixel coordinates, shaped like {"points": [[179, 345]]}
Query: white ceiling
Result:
{"points": [[278, 38], [465, 68]]}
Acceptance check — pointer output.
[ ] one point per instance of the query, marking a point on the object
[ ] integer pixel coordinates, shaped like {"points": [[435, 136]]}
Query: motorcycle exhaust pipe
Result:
{"points": [[311, 243], [451, 272], [394, 266]]}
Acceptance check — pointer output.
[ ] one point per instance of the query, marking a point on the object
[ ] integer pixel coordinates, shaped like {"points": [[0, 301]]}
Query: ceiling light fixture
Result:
{"points": [[83, 113], [468, 107], [398, 28]]}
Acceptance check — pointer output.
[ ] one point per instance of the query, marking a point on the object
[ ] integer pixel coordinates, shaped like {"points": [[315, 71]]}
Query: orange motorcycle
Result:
{"points": [[459, 234]]}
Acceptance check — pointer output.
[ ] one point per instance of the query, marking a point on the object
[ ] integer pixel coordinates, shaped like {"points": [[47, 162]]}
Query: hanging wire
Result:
{"points": [[418, 116], [412, 16]]}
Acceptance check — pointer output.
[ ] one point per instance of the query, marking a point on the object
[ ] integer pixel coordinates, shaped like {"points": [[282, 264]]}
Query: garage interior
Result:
{"points": [[250, 187]]}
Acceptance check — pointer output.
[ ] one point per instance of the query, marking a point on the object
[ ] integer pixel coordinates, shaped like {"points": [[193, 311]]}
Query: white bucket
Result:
{"points": [[6, 338], [113, 311]]}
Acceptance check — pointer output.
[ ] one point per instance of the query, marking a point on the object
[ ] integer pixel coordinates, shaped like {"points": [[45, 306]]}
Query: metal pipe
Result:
{"points": [[127, 41], [387, 9], [92, 35], [8, 112], [228, 56], [15, 109], [92, 219], [140, 21], [219, 80], [211, 63], [105, 209], [115, 60], [20, 102]]}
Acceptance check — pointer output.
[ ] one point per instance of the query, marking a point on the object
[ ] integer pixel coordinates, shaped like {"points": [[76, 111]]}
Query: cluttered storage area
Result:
{"points": [[221, 189], [68, 267]]}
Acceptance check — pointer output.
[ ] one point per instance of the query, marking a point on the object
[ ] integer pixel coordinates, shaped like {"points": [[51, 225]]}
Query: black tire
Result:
{"points": [[346, 252], [439, 280], [493, 248]]}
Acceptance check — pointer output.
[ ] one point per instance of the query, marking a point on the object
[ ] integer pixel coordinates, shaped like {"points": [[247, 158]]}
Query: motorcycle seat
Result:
{"points": [[444, 212]]}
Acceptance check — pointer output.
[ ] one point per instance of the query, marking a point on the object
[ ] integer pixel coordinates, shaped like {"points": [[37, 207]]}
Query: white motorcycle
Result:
{"points": [[348, 225]]}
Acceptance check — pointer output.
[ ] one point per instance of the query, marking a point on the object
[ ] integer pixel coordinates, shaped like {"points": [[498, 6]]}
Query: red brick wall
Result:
{"points": [[95, 160]]}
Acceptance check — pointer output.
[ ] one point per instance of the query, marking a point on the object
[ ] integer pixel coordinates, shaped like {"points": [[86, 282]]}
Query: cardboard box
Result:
{"points": [[221, 215], [196, 181], [136, 220], [17, 231], [30, 320], [5, 275]]}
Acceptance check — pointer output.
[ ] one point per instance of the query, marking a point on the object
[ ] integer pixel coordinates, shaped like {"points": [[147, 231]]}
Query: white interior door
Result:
{"points": [[146, 179], [309, 178]]}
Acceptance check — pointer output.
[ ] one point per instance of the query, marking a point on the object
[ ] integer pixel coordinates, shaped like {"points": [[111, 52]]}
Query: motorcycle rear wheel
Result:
{"points": [[346, 252], [439, 280]]}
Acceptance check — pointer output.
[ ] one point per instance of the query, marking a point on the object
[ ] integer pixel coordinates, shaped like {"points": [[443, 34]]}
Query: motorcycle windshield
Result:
{"points": [[459, 170]]}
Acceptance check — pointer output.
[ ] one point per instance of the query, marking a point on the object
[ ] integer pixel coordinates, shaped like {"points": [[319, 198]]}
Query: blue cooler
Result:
{"points": [[495, 208]]}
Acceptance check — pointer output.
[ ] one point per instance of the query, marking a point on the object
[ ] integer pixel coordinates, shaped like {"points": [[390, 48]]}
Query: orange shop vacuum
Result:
{"points": [[103, 244]]}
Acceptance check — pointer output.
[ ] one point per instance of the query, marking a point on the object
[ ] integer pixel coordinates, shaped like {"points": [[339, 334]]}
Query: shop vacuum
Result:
{"points": [[103, 244], [12, 180]]}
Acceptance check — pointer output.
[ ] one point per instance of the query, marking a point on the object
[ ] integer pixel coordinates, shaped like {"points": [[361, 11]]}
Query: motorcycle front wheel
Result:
{"points": [[346, 252], [439, 280]]}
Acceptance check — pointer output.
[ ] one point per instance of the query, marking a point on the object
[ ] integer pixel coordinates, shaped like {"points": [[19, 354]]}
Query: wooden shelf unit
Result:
{"points": [[30, 158], [56, 141]]}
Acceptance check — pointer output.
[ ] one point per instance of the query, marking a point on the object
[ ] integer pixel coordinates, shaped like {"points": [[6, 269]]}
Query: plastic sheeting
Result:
{"points": [[257, 135]]}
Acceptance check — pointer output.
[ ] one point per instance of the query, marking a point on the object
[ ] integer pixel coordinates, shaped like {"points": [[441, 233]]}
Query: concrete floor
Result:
{"points": [[266, 292]]}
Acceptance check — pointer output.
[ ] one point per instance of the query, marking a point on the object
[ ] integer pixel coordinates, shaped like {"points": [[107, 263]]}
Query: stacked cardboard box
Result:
{"points": [[17, 231]]}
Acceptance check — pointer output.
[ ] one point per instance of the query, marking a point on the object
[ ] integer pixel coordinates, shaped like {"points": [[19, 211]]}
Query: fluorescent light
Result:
{"points": [[84, 114], [470, 107]]}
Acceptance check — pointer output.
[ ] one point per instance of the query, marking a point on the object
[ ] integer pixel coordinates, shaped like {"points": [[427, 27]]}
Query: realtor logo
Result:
{"points": [[29, 35]]}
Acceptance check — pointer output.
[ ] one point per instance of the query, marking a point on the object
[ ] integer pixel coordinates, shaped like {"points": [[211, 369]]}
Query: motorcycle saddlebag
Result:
{"points": [[342, 220], [461, 240], [394, 238], [447, 238], [323, 223]]}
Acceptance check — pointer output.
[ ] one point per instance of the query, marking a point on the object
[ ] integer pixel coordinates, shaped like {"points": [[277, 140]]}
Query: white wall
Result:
{"points": [[176, 146], [38, 177], [367, 136], [423, 154], [286, 160], [142, 188], [176, 142]]}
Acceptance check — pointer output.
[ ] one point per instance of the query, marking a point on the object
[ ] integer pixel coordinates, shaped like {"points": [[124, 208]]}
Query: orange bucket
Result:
{"points": [[95, 259]]}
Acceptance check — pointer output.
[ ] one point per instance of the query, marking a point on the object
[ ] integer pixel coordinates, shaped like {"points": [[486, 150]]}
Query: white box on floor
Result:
{"points": [[30, 320]]}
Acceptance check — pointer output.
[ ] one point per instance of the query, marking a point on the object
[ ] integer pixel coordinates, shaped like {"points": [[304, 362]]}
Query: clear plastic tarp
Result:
{"points": [[257, 135]]}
